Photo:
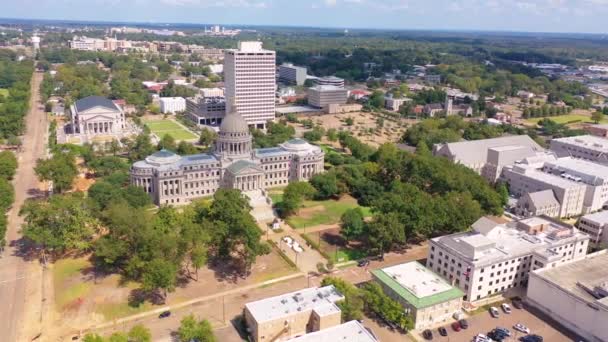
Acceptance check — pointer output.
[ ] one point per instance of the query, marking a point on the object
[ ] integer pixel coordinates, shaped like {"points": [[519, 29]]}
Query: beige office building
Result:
{"points": [[294, 314], [324, 95], [250, 79]]}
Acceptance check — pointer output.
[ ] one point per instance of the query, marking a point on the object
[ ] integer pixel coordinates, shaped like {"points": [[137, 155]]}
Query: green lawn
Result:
{"points": [[564, 119], [314, 213], [4, 92], [164, 127]]}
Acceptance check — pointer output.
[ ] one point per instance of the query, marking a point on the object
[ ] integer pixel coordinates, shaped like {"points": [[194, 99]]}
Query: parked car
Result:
{"points": [[494, 312], [506, 308], [464, 324], [164, 314], [427, 334], [531, 338], [456, 326], [363, 262], [297, 248], [481, 338], [522, 328], [518, 304], [496, 335], [442, 331], [288, 240], [504, 331]]}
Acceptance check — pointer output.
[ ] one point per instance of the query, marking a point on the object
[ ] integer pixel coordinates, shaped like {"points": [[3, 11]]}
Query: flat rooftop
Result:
{"points": [[417, 285], [599, 217], [327, 87], [351, 331], [546, 177], [288, 304], [486, 245], [580, 166], [588, 141], [578, 277], [296, 109]]}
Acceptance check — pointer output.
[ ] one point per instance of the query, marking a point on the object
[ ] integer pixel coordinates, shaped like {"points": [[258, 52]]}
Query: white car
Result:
{"points": [[482, 338], [288, 240], [494, 312], [296, 247], [506, 308], [522, 328]]}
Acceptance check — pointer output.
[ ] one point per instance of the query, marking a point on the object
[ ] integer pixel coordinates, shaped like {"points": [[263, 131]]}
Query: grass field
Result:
{"points": [[163, 127], [314, 213], [4, 92], [564, 119]]}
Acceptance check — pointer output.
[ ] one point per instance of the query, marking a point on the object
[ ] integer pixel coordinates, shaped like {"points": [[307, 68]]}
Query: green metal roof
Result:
{"points": [[411, 298]]}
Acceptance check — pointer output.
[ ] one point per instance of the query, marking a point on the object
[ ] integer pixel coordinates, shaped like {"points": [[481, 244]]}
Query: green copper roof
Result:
{"points": [[411, 298]]}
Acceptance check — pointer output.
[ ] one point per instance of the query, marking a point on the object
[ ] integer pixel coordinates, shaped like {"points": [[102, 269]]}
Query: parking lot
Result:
{"points": [[483, 323]]}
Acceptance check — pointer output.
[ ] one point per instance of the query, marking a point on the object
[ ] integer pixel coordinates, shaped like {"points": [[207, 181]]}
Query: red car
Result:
{"points": [[456, 326]]}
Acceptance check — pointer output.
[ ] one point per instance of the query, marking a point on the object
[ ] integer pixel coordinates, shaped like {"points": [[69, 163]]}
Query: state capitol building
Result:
{"points": [[172, 179]]}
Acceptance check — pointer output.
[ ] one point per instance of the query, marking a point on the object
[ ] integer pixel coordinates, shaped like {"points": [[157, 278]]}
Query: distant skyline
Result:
{"points": [[577, 16]]}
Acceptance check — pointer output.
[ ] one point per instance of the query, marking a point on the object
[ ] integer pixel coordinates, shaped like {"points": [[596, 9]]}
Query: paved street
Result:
{"points": [[20, 279]]}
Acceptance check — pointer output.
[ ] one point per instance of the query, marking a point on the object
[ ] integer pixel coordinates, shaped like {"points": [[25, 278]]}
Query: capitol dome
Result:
{"points": [[233, 122], [162, 157], [297, 145]]}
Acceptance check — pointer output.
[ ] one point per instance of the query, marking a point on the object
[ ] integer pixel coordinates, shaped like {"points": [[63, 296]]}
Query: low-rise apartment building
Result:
{"points": [[595, 226], [351, 331], [587, 147], [394, 104], [495, 257], [324, 95], [293, 314], [575, 294], [425, 296]]}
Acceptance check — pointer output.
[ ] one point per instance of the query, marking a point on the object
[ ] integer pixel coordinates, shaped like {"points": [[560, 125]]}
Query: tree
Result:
{"points": [[192, 330], [352, 305], [142, 147], [61, 224], [376, 99], [139, 333], [207, 137], [107, 165], [326, 185], [8, 164], [597, 116], [167, 142], [159, 274], [7, 196], [186, 148], [60, 169], [352, 225], [332, 134], [294, 196]]}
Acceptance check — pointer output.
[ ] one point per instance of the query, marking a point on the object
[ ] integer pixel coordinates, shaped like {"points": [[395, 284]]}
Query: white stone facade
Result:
{"points": [[173, 180], [494, 258]]}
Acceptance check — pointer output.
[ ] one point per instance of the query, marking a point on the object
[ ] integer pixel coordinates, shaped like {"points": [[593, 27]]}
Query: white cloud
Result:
{"points": [[217, 3]]}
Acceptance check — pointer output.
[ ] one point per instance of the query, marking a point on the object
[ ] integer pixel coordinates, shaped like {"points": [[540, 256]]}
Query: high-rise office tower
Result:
{"points": [[250, 80]]}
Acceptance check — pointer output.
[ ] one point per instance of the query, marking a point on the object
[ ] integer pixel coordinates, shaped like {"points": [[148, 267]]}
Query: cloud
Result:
{"points": [[217, 3]]}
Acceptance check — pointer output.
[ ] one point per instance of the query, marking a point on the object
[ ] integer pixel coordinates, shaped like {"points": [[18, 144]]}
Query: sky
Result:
{"points": [[584, 16]]}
